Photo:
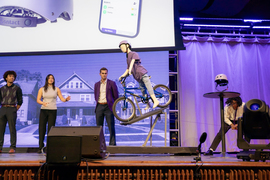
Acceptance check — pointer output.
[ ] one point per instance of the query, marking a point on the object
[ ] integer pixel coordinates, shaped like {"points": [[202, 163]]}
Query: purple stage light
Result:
{"points": [[185, 19], [212, 25], [261, 27], [253, 20]]}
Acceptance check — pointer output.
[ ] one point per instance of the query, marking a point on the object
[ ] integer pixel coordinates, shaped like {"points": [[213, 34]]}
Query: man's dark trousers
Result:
{"points": [[8, 114], [218, 137], [102, 111]]}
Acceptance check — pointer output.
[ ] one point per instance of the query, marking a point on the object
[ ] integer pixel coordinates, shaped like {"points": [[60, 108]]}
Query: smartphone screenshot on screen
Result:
{"points": [[120, 17]]}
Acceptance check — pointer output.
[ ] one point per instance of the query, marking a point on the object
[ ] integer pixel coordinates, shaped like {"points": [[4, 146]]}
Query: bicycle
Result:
{"points": [[124, 108]]}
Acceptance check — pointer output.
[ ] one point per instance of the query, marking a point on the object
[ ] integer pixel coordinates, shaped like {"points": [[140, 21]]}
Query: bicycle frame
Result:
{"points": [[124, 108], [144, 99], [126, 91]]}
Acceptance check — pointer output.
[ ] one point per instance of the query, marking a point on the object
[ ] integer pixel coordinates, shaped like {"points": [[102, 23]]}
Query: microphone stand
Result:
{"points": [[198, 158], [197, 173]]}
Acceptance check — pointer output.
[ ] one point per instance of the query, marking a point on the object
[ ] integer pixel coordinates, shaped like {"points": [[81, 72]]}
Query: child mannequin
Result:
{"points": [[139, 72]]}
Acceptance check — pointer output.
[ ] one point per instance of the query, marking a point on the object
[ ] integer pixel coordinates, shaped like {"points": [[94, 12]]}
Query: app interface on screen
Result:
{"points": [[120, 17]]}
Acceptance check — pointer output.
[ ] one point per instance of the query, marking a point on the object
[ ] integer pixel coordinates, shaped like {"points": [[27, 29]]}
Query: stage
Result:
{"points": [[25, 165]]}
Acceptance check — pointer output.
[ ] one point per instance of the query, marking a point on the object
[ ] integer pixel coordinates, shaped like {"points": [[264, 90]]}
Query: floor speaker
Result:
{"points": [[64, 149], [93, 141]]}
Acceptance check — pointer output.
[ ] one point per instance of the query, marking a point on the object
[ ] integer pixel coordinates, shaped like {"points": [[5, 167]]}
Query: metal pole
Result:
{"points": [[222, 123], [151, 121], [165, 135], [178, 99], [151, 130]]}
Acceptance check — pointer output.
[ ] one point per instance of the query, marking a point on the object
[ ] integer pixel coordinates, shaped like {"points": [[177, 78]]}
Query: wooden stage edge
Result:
{"points": [[128, 150], [26, 165], [135, 156]]}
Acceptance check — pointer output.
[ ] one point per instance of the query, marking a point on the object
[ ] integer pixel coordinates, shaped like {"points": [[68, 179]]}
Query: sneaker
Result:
{"points": [[11, 151], [208, 153]]}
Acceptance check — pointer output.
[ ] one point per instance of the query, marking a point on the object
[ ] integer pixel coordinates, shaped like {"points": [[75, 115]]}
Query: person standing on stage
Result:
{"points": [[11, 101], [139, 73], [106, 93], [232, 111], [47, 98]]}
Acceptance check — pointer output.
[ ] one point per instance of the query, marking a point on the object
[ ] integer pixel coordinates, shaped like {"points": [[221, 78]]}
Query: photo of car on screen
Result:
{"points": [[121, 17], [29, 13]]}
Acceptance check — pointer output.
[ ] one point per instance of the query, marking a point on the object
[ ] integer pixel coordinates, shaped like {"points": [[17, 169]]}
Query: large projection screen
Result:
{"points": [[94, 26]]}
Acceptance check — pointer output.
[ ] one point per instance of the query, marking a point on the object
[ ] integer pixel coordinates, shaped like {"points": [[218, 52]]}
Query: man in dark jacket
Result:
{"points": [[106, 93]]}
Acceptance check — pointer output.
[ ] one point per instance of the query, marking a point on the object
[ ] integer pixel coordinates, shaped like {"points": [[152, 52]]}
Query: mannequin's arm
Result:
{"points": [[123, 75], [131, 66]]}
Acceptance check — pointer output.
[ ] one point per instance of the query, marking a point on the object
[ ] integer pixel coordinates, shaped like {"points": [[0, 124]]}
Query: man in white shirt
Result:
{"points": [[232, 111]]}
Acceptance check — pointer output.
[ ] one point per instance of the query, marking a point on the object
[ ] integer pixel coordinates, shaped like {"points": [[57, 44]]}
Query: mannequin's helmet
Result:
{"points": [[125, 42], [221, 80]]}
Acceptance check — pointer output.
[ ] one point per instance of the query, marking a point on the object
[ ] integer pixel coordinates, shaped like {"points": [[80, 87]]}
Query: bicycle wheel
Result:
{"points": [[124, 109], [163, 94]]}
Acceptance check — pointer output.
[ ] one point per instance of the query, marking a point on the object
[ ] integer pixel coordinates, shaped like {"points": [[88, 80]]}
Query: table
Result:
{"points": [[221, 95]]}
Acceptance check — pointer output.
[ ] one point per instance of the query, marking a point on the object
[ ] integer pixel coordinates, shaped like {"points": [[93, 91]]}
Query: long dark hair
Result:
{"points": [[46, 83], [237, 99]]}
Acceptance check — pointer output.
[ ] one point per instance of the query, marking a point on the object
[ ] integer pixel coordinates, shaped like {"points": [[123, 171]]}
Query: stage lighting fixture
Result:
{"points": [[255, 124]]}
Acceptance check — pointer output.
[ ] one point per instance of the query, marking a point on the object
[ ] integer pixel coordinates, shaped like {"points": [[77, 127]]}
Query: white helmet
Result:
{"points": [[221, 80], [29, 13]]}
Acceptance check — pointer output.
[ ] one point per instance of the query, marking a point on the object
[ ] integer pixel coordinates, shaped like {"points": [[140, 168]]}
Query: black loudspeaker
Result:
{"points": [[93, 141], [64, 149]]}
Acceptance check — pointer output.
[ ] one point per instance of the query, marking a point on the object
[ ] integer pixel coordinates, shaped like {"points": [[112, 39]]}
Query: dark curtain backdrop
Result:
{"points": [[246, 62]]}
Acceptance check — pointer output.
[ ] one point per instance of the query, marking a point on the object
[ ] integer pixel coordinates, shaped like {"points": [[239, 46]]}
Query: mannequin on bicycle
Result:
{"points": [[139, 73]]}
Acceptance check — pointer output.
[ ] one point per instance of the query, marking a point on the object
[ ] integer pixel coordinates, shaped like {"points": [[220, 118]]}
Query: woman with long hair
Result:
{"points": [[47, 96]]}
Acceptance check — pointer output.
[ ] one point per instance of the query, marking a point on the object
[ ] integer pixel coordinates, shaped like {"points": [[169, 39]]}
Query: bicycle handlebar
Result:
{"points": [[123, 79]]}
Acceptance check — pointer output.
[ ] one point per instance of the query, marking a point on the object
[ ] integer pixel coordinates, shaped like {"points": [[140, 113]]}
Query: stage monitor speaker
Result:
{"points": [[93, 141], [64, 149]]}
